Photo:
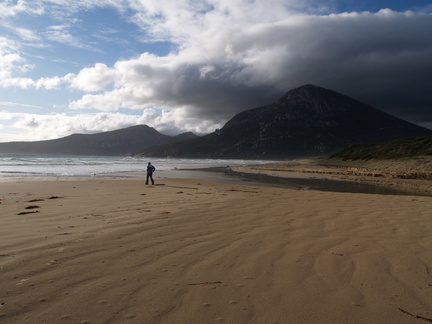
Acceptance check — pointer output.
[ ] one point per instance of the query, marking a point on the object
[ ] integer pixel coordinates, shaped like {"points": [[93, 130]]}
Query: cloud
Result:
{"points": [[9, 55], [95, 78], [27, 35], [35, 127], [14, 104], [12, 8], [12, 65], [42, 127], [229, 56], [231, 59]]}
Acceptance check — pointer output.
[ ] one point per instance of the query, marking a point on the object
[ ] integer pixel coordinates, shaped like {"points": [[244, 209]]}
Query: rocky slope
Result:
{"points": [[307, 121]]}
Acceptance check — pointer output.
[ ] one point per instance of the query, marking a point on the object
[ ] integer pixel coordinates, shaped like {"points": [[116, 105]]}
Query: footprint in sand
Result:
{"points": [[30, 212], [32, 207]]}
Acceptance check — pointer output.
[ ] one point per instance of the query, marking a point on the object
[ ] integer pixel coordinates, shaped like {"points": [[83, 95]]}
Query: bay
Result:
{"points": [[18, 165]]}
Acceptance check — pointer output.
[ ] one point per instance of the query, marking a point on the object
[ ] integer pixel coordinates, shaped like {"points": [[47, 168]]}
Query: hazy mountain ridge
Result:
{"points": [[119, 142], [307, 121]]}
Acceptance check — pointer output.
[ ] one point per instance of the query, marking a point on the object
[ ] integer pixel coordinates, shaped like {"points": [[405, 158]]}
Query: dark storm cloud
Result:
{"points": [[382, 59]]}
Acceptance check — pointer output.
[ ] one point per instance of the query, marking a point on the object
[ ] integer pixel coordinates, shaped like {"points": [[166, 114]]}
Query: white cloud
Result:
{"points": [[11, 7], [41, 127], [26, 83], [131, 98], [61, 34], [13, 65], [9, 55], [95, 78], [14, 104], [27, 34], [205, 70], [33, 127]]}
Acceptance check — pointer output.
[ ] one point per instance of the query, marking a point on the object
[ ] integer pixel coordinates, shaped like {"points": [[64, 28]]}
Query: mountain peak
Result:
{"points": [[306, 121], [312, 94], [308, 90], [308, 87]]}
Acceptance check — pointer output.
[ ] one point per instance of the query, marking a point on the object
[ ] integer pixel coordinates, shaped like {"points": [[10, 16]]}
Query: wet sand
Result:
{"points": [[402, 176], [105, 250], [277, 176]]}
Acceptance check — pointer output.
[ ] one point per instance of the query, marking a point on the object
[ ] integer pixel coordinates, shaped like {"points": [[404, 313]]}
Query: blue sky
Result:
{"points": [[88, 66]]}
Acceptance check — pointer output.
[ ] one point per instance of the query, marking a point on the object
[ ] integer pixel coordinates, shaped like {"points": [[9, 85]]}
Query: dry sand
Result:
{"points": [[190, 251]]}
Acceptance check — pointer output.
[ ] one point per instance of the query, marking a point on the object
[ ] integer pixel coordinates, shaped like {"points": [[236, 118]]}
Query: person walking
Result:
{"points": [[150, 170]]}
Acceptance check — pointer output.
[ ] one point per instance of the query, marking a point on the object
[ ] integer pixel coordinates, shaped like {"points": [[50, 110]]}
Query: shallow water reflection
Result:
{"points": [[225, 175]]}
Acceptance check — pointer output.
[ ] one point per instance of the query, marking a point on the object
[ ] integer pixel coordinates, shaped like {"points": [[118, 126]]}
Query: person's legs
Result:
{"points": [[149, 175]]}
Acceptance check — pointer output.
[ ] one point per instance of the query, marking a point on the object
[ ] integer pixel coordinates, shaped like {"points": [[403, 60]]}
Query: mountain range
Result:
{"points": [[306, 121], [124, 141]]}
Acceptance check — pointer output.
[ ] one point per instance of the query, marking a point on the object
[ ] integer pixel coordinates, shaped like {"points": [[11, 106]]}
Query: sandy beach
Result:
{"points": [[105, 250]]}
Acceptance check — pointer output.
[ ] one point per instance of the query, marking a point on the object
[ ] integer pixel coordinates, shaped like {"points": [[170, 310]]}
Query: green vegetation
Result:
{"points": [[400, 148]]}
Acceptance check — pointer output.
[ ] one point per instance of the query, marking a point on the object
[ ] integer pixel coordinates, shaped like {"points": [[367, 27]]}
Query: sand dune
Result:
{"points": [[190, 251]]}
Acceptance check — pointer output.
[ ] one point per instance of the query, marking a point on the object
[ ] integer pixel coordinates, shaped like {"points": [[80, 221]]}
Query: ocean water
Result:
{"points": [[17, 165]]}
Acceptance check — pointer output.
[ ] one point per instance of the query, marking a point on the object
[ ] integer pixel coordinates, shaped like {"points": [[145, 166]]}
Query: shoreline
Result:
{"points": [[386, 174], [305, 174]]}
